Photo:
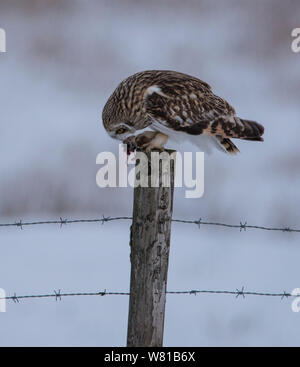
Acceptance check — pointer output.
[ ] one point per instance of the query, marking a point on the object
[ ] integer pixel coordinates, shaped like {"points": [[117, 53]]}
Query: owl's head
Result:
{"points": [[114, 120]]}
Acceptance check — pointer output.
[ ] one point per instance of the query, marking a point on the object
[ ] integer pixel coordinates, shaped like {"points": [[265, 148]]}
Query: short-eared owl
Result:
{"points": [[151, 106]]}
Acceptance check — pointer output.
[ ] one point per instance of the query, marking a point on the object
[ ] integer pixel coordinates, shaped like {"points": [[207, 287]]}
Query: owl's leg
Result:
{"points": [[151, 140], [146, 141]]}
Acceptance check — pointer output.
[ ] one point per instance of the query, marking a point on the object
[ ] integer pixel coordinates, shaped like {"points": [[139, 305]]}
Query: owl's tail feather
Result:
{"points": [[237, 128], [227, 145], [244, 129], [250, 130]]}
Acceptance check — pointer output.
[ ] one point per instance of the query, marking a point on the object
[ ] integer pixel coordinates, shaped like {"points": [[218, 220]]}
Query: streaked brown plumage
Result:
{"points": [[164, 103]]}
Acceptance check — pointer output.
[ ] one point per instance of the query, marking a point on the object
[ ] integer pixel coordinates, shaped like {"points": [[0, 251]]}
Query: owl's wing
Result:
{"points": [[186, 105], [180, 103]]}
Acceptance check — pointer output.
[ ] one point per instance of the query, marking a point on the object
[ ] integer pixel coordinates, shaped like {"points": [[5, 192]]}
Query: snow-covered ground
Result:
{"points": [[94, 257], [63, 60]]}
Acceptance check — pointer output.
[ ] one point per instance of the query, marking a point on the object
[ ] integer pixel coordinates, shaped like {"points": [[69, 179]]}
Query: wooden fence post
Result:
{"points": [[150, 245]]}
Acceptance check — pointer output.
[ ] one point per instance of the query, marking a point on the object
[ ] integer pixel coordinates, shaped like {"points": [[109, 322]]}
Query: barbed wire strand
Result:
{"points": [[237, 293], [198, 222]]}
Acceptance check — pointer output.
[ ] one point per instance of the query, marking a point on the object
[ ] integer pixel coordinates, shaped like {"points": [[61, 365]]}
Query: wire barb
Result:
{"points": [[57, 295], [240, 293], [287, 229], [198, 222], [19, 224], [62, 221], [243, 226], [15, 298], [104, 219], [285, 295]]}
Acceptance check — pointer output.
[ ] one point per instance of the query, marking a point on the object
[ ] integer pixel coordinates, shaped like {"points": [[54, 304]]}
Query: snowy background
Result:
{"points": [[63, 60]]}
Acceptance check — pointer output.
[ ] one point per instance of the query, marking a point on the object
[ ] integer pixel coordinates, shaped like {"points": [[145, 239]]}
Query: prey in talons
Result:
{"points": [[145, 142]]}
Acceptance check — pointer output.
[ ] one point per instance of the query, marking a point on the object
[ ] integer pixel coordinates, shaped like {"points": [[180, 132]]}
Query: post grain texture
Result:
{"points": [[150, 247]]}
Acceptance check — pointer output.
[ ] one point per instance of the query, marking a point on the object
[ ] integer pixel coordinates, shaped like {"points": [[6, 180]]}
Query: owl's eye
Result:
{"points": [[121, 130]]}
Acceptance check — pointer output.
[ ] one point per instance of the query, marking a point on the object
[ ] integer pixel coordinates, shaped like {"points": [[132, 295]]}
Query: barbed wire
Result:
{"points": [[241, 226], [57, 294]]}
